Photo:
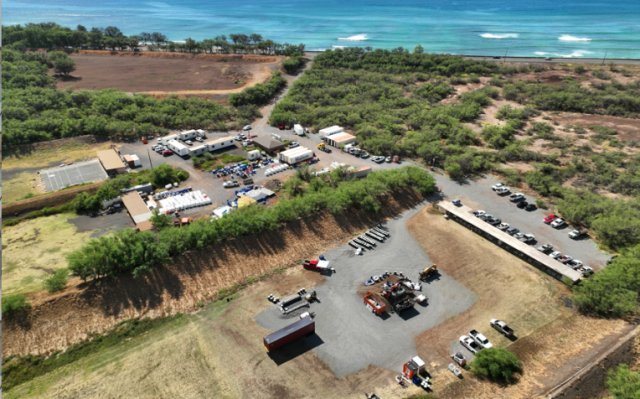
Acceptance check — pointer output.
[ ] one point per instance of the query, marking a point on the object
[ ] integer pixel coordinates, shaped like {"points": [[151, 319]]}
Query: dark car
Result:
{"points": [[522, 204], [531, 207], [495, 221], [512, 231]]}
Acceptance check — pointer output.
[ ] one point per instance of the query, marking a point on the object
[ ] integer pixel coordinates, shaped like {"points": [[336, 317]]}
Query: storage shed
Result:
{"points": [[268, 144], [341, 138], [111, 162], [136, 207]]}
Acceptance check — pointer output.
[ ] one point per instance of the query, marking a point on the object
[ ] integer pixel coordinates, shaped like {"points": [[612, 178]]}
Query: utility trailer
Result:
{"points": [[380, 231], [375, 236], [365, 239], [363, 243], [300, 328], [355, 245], [374, 304]]}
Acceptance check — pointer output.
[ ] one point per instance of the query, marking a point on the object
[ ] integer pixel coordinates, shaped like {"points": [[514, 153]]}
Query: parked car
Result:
{"points": [[528, 238], [558, 223], [512, 231], [575, 264], [479, 213], [247, 142], [494, 221], [456, 202], [574, 234], [294, 145], [555, 254], [486, 216], [518, 236], [497, 186], [412, 285], [531, 207], [199, 139], [248, 127], [564, 259], [166, 153], [231, 183], [388, 160], [585, 271], [480, 339], [549, 219], [159, 140], [153, 147], [522, 204], [516, 197], [503, 191], [547, 58], [188, 142], [470, 344], [503, 226], [459, 358], [546, 248], [364, 155]]}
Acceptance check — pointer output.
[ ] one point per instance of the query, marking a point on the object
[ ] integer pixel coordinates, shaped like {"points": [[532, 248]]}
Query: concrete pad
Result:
{"points": [[78, 173], [352, 337]]}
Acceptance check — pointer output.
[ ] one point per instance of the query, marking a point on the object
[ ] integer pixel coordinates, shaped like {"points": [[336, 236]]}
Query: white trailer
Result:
{"points": [[299, 157], [220, 143], [166, 139], [198, 150], [253, 155], [136, 160], [178, 148], [284, 156], [298, 129], [326, 132], [188, 135]]}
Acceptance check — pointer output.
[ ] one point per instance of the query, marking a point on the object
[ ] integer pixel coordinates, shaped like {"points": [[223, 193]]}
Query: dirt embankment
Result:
{"points": [[178, 287], [49, 200]]}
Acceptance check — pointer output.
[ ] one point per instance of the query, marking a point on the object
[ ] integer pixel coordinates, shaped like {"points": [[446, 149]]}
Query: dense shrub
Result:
{"points": [[14, 303], [623, 383], [496, 364], [260, 94], [57, 281]]}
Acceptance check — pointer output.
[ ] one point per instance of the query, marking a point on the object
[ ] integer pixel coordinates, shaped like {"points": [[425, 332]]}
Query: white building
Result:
{"points": [[178, 148], [220, 143], [166, 139]]}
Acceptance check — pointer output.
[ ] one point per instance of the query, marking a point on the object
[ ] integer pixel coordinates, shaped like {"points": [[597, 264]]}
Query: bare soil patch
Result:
{"points": [[164, 72], [629, 129]]}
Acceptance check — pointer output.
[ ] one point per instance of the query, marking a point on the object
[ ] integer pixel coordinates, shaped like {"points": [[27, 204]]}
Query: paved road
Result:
{"points": [[348, 337]]}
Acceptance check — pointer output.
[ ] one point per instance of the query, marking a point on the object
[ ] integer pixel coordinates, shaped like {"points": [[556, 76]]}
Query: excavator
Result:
{"points": [[428, 272]]}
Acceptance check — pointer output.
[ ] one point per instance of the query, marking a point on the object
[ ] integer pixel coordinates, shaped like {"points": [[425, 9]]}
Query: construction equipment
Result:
{"points": [[428, 272], [310, 296], [374, 304], [375, 236], [380, 231], [456, 371], [398, 297]]}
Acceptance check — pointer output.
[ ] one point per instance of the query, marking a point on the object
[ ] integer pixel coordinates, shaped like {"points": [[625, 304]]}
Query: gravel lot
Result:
{"points": [[348, 336], [479, 195]]}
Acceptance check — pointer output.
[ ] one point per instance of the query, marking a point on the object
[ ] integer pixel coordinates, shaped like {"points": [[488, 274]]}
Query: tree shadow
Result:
{"points": [[67, 78]]}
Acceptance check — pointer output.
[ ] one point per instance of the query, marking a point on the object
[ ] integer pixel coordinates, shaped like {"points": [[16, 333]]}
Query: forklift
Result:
{"points": [[428, 272]]}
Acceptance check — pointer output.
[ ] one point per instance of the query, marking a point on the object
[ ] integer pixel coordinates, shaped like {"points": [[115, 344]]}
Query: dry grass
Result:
{"points": [[33, 249]]}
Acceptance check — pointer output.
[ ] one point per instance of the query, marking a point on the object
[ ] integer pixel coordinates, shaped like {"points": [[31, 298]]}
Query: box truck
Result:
{"points": [[299, 130]]}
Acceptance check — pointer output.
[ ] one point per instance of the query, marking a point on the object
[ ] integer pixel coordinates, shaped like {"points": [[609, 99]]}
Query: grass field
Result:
{"points": [[33, 249], [19, 172]]}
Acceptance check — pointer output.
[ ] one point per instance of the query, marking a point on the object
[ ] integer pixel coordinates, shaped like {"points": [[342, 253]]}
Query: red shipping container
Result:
{"points": [[289, 333]]}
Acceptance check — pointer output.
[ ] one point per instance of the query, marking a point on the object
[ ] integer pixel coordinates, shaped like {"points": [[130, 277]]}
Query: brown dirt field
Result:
{"points": [[60, 321], [160, 73], [547, 331], [629, 129]]}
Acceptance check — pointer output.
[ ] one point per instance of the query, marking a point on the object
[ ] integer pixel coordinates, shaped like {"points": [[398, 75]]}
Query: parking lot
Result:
{"points": [[68, 175], [348, 336], [479, 196]]}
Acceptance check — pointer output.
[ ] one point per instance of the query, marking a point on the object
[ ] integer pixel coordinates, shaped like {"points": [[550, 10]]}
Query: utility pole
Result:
{"points": [[605, 56], [505, 55], [149, 155]]}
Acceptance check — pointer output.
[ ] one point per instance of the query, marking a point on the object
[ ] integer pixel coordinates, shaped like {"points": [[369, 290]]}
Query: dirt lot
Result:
{"points": [[546, 329], [167, 72], [179, 287], [629, 129]]}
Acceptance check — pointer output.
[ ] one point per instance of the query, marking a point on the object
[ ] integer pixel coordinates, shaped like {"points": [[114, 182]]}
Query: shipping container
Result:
{"points": [[290, 333], [326, 132], [299, 157]]}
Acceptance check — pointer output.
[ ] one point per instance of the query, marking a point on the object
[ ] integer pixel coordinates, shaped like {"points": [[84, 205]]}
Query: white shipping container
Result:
{"points": [[326, 132], [292, 153], [301, 157]]}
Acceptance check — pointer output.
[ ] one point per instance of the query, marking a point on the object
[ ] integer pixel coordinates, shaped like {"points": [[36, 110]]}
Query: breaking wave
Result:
{"points": [[577, 53], [568, 38], [502, 36], [356, 38]]}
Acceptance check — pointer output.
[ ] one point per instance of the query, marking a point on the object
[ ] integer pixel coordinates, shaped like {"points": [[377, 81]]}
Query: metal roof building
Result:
{"points": [[111, 161], [137, 208], [463, 215], [267, 143]]}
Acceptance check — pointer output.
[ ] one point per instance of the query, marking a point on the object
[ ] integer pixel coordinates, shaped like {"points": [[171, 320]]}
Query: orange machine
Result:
{"points": [[374, 304]]}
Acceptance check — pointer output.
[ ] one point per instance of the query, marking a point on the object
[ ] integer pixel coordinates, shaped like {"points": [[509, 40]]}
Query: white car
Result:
{"points": [[188, 142], [199, 139], [516, 197], [555, 254], [574, 234], [558, 223], [248, 127], [503, 226], [497, 186], [159, 140], [469, 344], [503, 191], [231, 183], [294, 144], [479, 213]]}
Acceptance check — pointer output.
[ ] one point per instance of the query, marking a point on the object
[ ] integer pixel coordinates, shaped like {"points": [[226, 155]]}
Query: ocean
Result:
{"points": [[558, 28]]}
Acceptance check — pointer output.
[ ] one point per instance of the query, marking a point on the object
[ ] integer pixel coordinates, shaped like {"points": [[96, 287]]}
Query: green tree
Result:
{"points": [[65, 66], [57, 281], [160, 220], [496, 364], [418, 50], [14, 303], [623, 383]]}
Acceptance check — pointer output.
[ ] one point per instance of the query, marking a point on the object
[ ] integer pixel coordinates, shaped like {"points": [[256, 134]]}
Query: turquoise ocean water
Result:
{"points": [[570, 28]]}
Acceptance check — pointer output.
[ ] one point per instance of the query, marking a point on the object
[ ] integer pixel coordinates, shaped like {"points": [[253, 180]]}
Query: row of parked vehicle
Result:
{"points": [[162, 149], [517, 198], [500, 225], [476, 341]]}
